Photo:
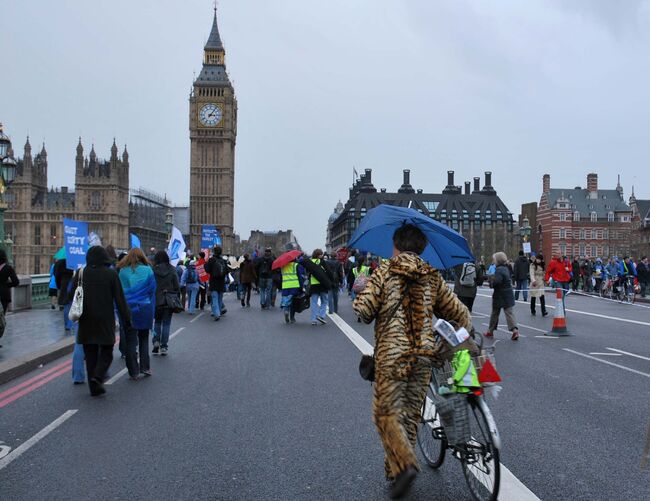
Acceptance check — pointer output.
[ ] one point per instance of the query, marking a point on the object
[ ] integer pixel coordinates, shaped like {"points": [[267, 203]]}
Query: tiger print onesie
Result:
{"points": [[401, 380]]}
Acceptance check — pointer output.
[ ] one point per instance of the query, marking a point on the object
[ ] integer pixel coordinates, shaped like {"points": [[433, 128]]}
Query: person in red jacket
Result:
{"points": [[558, 274]]}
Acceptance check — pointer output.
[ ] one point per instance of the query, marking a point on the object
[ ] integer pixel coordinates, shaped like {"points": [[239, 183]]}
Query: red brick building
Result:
{"points": [[584, 223]]}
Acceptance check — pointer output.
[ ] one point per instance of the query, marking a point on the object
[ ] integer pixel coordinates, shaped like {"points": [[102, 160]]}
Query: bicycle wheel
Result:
{"points": [[431, 435], [480, 459]]}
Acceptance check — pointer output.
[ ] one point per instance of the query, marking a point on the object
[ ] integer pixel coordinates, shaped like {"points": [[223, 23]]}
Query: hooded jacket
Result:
{"points": [[501, 282], [166, 280], [409, 328], [559, 271], [102, 294]]}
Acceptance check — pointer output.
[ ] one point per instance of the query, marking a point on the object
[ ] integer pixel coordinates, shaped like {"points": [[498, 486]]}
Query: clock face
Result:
{"points": [[210, 115]]}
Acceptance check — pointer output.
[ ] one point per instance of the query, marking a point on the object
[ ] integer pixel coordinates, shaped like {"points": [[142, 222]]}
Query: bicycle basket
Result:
{"points": [[446, 371], [454, 415]]}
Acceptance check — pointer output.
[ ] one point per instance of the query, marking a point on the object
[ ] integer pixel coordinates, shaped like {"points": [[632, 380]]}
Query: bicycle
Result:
{"points": [[479, 455], [606, 289]]}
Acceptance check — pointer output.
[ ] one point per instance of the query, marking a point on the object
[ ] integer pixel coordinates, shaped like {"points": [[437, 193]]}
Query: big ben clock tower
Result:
{"points": [[213, 133]]}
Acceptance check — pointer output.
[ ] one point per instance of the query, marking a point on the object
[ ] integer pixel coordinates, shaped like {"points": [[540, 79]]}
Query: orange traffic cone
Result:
{"points": [[559, 319]]}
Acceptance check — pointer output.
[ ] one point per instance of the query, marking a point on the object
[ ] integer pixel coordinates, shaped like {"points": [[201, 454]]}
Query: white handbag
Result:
{"points": [[77, 307]]}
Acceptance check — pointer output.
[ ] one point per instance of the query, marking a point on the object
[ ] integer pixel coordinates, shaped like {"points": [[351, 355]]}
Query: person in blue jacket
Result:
{"points": [[139, 286]]}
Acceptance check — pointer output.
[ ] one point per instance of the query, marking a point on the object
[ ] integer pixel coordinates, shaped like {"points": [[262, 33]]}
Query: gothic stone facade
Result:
{"points": [[583, 223], [213, 132], [34, 218]]}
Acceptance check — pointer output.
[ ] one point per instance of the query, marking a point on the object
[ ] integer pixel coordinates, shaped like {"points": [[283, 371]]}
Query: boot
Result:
{"points": [[542, 302], [532, 306]]}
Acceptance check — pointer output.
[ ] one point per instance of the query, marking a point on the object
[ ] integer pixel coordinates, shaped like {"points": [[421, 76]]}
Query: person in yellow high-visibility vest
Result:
{"points": [[318, 292], [292, 279]]}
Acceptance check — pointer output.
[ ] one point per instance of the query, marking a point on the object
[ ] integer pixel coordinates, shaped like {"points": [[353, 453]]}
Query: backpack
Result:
{"points": [[218, 269], [468, 275], [191, 275]]}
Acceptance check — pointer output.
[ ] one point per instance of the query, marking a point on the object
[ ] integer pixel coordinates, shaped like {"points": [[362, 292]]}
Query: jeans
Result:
{"points": [[316, 310], [287, 305], [137, 341], [523, 286], [78, 369], [66, 320], [161, 326], [266, 284], [216, 303], [333, 297], [192, 293]]}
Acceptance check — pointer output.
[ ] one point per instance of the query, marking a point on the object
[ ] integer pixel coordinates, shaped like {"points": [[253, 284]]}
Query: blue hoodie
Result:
{"points": [[139, 286]]}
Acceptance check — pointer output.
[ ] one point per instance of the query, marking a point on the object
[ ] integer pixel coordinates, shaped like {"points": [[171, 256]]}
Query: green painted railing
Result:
{"points": [[40, 289]]}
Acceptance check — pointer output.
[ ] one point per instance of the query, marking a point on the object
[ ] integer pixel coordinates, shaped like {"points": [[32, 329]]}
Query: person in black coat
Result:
{"points": [[521, 270], [8, 279], [218, 269], [166, 282], [102, 293], [503, 297]]}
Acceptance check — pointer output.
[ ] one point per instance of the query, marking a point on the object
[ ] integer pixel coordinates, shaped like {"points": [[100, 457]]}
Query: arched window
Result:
{"points": [[594, 217], [576, 216], [95, 200]]}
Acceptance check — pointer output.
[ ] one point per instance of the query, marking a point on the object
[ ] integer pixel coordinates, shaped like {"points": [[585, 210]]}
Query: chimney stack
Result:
{"points": [[592, 182], [406, 185], [450, 178], [368, 176], [407, 176], [467, 186], [488, 179], [477, 184], [546, 183]]}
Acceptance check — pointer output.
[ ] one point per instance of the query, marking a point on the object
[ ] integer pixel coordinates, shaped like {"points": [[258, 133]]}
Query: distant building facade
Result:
{"points": [[584, 223], [640, 226], [477, 213], [148, 213], [279, 241]]}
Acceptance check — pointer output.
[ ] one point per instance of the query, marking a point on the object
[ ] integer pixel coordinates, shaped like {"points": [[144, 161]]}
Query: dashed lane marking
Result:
{"points": [[605, 354], [511, 487], [197, 317], [608, 363], [25, 446], [630, 354]]}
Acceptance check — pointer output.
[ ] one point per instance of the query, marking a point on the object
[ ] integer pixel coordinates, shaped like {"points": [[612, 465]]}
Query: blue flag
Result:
{"points": [[135, 241]]}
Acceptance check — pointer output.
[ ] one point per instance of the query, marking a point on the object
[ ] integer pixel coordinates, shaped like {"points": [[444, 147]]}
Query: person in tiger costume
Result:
{"points": [[402, 296]]}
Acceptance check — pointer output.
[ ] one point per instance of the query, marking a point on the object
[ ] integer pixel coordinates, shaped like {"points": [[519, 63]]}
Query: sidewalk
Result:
{"points": [[32, 338]]}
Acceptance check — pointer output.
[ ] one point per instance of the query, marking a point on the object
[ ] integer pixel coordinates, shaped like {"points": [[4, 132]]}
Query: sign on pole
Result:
{"points": [[527, 248], [210, 236], [75, 235]]}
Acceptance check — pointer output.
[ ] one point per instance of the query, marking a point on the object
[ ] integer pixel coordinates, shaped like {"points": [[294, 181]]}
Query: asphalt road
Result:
{"points": [[251, 408]]}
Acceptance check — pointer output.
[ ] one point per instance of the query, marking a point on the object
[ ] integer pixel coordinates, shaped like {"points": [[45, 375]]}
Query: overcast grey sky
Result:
{"points": [[520, 88]]}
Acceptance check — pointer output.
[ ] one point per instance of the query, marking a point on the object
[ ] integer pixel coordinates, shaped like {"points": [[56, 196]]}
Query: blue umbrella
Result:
{"points": [[446, 249]]}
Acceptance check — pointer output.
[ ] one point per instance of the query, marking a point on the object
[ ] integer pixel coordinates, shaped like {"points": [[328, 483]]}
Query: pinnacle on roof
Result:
{"points": [[214, 40]]}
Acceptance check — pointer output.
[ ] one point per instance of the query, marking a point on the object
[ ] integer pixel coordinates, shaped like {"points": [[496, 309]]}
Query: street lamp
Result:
{"points": [[7, 176], [525, 232]]}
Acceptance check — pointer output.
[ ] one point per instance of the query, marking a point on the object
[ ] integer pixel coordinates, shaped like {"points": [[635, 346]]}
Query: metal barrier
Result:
{"points": [[40, 289], [33, 290]]}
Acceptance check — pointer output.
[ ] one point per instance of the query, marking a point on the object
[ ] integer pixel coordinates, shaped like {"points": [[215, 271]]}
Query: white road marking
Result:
{"points": [[532, 328], [177, 332], [605, 354], [630, 354], [548, 337], [606, 362], [511, 487], [598, 315], [480, 315], [116, 376], [25, 446], [197, 317]]}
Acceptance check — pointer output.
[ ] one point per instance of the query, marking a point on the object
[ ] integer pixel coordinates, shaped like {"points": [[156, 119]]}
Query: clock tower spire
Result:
{"points": [[213, 134]]}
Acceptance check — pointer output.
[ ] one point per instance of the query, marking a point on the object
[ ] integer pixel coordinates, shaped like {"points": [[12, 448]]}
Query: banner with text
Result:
{"points": [[75, 235], [210, 236]]}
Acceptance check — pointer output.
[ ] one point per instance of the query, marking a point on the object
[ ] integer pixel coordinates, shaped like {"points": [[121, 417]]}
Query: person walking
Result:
{"points": [[8, 280], [265, 275], [502, 297], [335, 268], [360, 268], [643, 274], [468, 276], [317, 291], [102, 294], [190, 281], [63, 278], [558, 274], [218, 269], [139, 285], [247, 277], [180, 268], [521, 268], [536, 273], [52, 290], [293, 276], [402, 296], [204, 279], [166, 283]]}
